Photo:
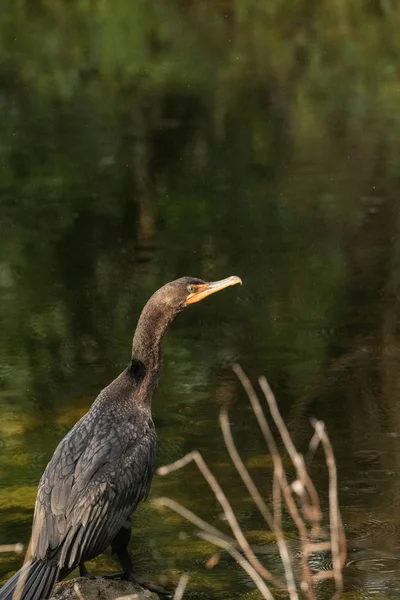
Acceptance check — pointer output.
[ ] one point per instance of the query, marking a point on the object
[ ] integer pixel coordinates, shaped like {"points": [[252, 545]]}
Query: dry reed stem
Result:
{"points": [[180, 589], [225, 504], [241, 469], [311, 511], [313, 445], [78, 592], [17, 548], [192, 518], [210, 533], [338, 541], [302, 487], [280, 477], [259, 502], [246, 566]]}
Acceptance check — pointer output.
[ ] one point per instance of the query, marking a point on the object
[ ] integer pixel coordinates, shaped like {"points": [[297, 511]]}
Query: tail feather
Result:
{"points": [[43, 584], [7, 591], [34, 581]]}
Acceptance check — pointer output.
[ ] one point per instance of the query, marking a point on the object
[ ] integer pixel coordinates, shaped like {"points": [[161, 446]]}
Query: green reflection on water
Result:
{"points": [[145, 141]]}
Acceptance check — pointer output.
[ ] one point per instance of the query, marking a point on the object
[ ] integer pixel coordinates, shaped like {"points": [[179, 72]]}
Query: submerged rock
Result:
{"points": [[100, 589]]}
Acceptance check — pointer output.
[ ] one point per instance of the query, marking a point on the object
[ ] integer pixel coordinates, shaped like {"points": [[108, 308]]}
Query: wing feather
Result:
{"points": [[88, 490]]}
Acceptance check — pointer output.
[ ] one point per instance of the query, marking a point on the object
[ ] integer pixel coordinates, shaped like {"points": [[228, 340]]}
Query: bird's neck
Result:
{"points": [[147, 344]]}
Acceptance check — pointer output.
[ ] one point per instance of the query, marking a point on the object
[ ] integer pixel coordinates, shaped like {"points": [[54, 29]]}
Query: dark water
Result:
{"points": [[138, 146]]}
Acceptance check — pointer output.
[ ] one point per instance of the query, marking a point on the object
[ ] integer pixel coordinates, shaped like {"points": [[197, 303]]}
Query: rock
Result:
{"points": [[100, 589]]}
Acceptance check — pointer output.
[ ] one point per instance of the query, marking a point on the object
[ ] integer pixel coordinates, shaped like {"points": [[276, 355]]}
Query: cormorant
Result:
{"points": [[103, 467]]}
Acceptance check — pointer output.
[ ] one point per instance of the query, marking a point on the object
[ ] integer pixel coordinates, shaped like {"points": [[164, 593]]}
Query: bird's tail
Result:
{"points": [[34, 581]]}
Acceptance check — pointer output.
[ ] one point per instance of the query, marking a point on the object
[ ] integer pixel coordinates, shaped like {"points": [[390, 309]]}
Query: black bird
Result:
{"points": [[103, 467]]}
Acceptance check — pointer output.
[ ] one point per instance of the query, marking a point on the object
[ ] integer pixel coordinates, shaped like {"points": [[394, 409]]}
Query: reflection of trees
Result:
{"points": [[139, 144], [370, 337], [358, 387], [323, 71], [223, 136]]}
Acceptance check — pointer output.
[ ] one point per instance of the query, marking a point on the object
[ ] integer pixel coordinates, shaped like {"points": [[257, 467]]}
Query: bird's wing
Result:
{"points": [[87, 492]]}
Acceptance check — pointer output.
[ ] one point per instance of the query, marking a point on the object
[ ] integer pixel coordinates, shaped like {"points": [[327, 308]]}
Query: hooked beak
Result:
{"points": [[206, 289]]}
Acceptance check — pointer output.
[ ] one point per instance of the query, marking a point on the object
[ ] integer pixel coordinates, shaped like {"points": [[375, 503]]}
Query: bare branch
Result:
{"points": [[225, 504], [300, 500], [241, 469], [246, 566], [180, 589], [78, 592], [338, 541], [18, 548], [279, 477], [313, 512], [262, 507], [192, 518]]}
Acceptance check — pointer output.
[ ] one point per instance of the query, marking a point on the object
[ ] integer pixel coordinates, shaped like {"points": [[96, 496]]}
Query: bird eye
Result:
{"points": [[191, 288]]}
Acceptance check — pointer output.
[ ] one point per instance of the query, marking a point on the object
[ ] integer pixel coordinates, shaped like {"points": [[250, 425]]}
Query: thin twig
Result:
{"points": [[78, 592], [301, 489], [279, 476], [241, 469], [246, 566], [192, 518], [313, 445], [180, 589], [338, 542], [210, 533], [313, 512], [225, 504], [164, 502], [18, 548], [262, 507]]}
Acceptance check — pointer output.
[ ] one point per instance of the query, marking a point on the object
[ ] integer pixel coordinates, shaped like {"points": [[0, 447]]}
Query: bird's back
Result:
{"points": [[97, 476]]}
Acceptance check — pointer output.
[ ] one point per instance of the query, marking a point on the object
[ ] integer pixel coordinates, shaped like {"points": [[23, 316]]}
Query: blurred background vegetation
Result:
{"points": [[142, 141]]}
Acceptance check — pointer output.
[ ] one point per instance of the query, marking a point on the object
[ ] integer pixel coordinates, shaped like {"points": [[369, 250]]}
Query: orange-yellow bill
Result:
{"points": [[206, 289]]}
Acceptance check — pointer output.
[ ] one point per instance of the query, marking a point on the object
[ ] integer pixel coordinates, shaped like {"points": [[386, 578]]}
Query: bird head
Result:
{"points": [[182, 292], [162, 308]]}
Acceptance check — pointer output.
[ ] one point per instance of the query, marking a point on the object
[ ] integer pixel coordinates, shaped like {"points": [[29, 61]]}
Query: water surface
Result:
{"points": [[118, 177]]}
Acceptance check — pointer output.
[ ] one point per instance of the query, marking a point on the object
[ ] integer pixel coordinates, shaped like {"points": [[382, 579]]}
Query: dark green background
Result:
{"points": [[142, 141]]}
